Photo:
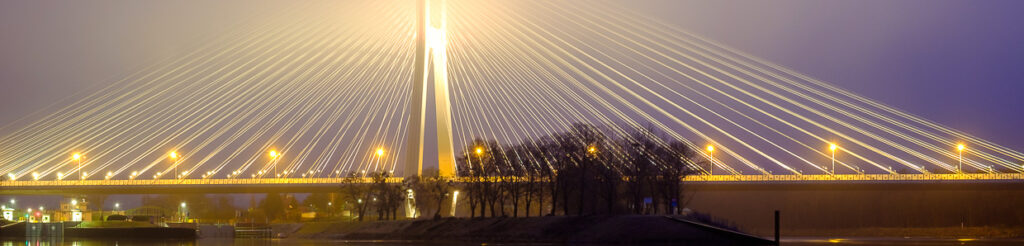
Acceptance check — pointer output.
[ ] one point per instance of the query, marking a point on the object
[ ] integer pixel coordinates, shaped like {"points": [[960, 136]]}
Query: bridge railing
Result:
{"points": [[692, 178], [855, 177]]}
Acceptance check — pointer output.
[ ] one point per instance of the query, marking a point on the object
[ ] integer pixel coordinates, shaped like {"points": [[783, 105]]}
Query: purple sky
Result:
{"points": [[951, 61], [955, 62]]}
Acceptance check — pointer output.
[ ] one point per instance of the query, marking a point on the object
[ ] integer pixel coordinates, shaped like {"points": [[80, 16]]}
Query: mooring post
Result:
{"points": [[777, 227]]}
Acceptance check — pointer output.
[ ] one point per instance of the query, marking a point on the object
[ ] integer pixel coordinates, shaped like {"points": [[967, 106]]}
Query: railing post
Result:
{"points": [[777, 227]]}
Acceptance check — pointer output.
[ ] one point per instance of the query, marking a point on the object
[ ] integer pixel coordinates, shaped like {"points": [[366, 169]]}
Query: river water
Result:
{"points": [[298, 242]]}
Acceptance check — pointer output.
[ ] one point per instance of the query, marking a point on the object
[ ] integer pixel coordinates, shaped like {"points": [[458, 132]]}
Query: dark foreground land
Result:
{"points": [[575, 230]]}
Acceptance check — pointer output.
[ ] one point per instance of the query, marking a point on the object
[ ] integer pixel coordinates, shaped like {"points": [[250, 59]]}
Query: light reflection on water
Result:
{"points": [[882, 241], [54, 241], [304, 242]]}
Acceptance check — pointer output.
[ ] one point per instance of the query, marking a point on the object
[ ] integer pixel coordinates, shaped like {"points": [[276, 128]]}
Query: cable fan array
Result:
{"points": [[320, 89]]}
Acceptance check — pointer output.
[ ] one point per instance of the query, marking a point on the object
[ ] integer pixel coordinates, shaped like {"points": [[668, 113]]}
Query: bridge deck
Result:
{"points": [[692, 178]]}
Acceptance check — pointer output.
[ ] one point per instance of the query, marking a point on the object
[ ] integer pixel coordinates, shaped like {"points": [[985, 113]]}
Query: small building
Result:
{"points": [[8, 214], [73, 209]]}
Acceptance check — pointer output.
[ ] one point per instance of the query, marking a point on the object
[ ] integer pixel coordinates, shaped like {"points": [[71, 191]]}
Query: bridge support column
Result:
{"points": [[431, 45]]}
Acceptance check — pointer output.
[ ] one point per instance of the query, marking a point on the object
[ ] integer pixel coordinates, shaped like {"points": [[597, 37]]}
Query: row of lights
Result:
{"points": [[274, 155], [833, 147], [74, 205]]}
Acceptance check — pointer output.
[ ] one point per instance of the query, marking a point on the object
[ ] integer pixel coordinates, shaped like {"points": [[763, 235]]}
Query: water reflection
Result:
{"points": [[303, 242], [883, 241], [216, 241]]}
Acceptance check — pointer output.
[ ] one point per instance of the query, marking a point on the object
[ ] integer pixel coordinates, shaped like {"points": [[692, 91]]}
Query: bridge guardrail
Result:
{"points": [[692, 178]]}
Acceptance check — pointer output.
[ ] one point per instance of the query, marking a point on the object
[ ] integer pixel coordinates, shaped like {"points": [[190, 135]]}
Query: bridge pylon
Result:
{"points": [[431, 42]]}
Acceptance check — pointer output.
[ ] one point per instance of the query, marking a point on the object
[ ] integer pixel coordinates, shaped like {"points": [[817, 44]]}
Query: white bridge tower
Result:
{"points": [[431, 55]]}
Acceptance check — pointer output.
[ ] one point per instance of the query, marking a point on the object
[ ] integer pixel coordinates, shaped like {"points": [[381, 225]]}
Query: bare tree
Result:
{"points": [[358, 194]]}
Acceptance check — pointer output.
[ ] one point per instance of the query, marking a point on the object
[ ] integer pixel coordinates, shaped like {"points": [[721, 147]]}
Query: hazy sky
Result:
{"points": [[952, 61]]}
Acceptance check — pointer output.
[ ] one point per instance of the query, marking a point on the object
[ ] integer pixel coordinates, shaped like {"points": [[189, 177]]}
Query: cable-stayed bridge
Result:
{"points": [[323, 90]]}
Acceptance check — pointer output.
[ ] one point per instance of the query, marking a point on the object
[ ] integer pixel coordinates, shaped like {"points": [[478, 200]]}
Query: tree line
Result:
{"points": [[580, 171]]}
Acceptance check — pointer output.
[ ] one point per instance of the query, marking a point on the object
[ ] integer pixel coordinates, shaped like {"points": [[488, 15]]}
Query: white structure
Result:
{"points": [[76, 216], [431, 48], [8, 214]]}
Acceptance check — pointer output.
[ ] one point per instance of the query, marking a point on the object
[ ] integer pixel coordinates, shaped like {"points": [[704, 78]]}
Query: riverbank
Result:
{"points": [[625, 229], [995, 232]]}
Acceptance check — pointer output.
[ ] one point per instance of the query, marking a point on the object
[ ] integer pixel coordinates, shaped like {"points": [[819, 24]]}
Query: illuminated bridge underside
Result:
{"points": [[305, 185]]}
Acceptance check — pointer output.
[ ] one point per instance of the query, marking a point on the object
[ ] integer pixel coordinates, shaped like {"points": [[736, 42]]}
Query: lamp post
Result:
{"points": [[833, 148], [711, 157], [78, 158], [960, 151], [273, 158], [183, 212], [174, 159]]}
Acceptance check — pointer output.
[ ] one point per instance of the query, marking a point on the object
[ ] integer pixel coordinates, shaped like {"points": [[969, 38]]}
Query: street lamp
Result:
{"points": [[273, 157], [711, 157], [833, 147], [380, 152], [183, 211], [174, 157], [960, 150], [78, 158]]}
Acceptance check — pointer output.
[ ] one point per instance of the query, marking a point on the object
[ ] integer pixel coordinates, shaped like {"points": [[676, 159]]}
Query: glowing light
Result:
{"points": [[592, 149], [173, 155], [960, 147], [832, 146], [380, 151], [76, 156], [711, 148], [274, 154], [35, 176], [479, 151]]}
